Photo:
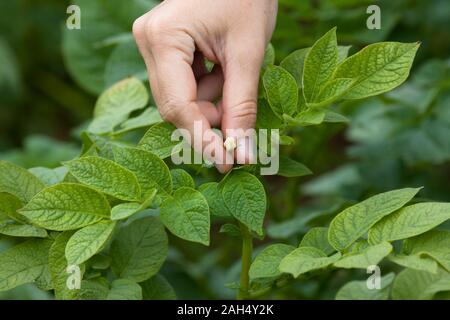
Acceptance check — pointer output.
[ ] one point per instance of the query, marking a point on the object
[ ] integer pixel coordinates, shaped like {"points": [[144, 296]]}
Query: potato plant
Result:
{"points": [[97, 226]]}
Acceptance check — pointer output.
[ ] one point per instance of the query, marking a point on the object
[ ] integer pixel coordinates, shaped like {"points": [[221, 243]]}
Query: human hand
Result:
{"points": [[176, 36]]}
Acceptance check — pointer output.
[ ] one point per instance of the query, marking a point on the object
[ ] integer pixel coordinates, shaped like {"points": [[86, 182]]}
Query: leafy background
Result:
{"points": [[51, 77]]}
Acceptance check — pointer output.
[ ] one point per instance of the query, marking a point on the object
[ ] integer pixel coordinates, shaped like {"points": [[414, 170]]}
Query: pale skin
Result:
{"points": [[177, 35]]}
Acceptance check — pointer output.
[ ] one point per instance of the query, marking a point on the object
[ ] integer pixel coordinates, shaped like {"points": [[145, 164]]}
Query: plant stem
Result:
{"points": [[247, 248]]}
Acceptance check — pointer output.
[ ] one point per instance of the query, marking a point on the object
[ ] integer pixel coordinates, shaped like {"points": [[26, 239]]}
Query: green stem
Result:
{"points": [[247, 248]]}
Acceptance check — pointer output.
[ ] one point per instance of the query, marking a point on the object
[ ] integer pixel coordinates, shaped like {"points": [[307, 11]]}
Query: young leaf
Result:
{"points": [[411, 284], [124, 289], [358, 290], [245, 198], [58, 268], [115, 104], [370, 256], [127, 209], [139, 250], [317, 238], [308, 117], [18, 181], [331, 91], [213, 196], [49, 176], [181, 178], [416, 262], [378, 68], [305, 259], [186, 215], [265, 117], [281, 90], [320, 63], [88, 241], [354, 221], [266, 263], [95, 289], [22, 230], [410, 221], [106, 176], [294, 63], [435, 244], [291, 168], [157, 288], [9, 206], [23, 263], [158, 140], [231, 230], [151, 171], [65, 207], [149, 117]]}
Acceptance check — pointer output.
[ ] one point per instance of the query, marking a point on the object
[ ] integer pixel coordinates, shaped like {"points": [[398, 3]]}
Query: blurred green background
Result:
{"points": [[50, 78]]}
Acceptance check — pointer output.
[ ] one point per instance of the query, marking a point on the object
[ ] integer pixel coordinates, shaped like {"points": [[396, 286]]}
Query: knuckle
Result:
{"points": [[171, 110], [244, 110], [139, 29]]}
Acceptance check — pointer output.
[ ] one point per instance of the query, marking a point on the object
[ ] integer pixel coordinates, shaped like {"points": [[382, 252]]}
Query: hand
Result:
{"points": [[176, 36]]}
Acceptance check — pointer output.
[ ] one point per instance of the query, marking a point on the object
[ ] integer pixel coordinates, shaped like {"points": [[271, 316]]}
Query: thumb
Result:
{"points": [[240, 95]]}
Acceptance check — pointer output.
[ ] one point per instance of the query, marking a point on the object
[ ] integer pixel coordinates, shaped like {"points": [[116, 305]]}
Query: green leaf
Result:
{"points": [[66, 206], [58, 268], [96, 289], [266, 263], [231, 230], [157, 288], [281, 90], [151, 171], [331, 91], [377, 68], [415, 262], [308, 117], [181, 178], [88, 241], [372, 255], [149, 117], [411, 284], [269, 56], [115, 105], [127, 209], [18, 181], [22, 230], [265, 117], [23, 263], [106, 176], [213, 195], [49, 176], [317, 238], [245, 198], [124, 289], [435, 244], [358, 290], [9, 206], [410, 221], [158, 141], [291, 168], [186, 215], [334, 117], [320, 63], [139, 249], [354, 221], [294, 63], [306, 259]]}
